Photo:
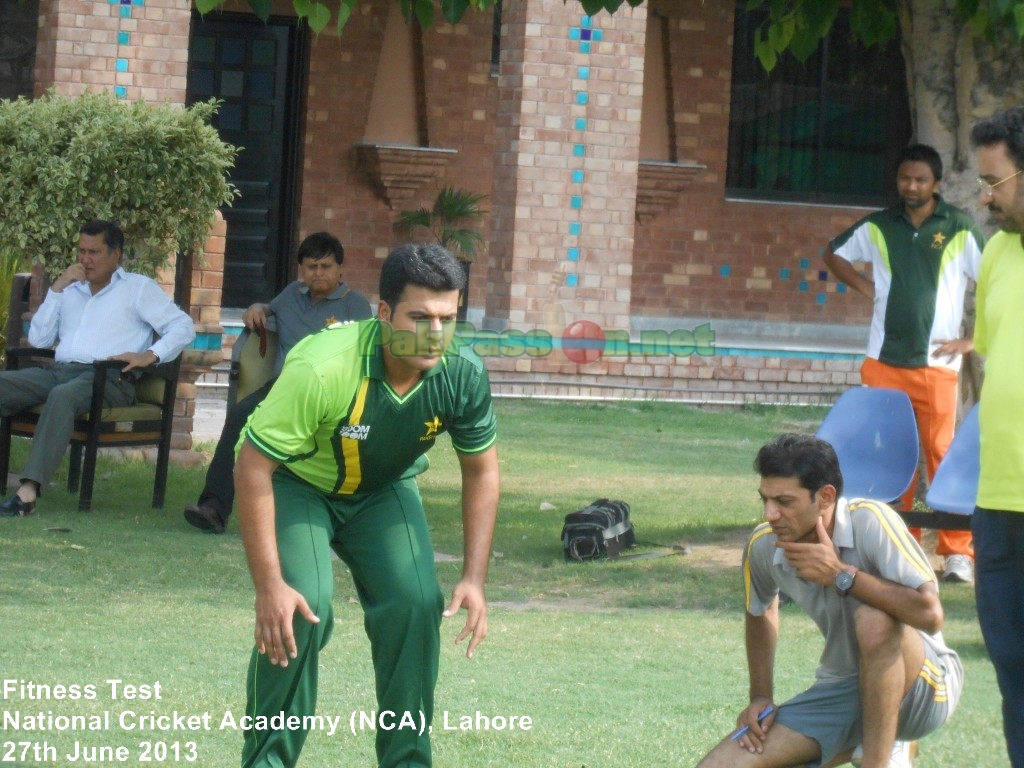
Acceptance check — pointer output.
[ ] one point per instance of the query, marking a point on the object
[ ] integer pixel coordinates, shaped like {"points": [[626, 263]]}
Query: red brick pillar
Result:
{"points": [[570, 97], [205, 276]]}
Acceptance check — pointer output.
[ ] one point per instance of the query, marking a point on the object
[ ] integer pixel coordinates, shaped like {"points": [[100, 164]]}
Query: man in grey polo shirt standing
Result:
{"points": [[852, 565]]}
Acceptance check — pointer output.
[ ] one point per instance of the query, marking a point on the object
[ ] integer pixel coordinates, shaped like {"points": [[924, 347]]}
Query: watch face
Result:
{"points": [[844, 580]]}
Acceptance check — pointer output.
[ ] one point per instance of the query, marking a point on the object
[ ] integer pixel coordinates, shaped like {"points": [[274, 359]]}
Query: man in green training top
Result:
{"points": [[327, 462]]}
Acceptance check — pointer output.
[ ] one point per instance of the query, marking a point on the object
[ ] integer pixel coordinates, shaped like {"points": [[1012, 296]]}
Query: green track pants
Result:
{"points": [[383, 538]]}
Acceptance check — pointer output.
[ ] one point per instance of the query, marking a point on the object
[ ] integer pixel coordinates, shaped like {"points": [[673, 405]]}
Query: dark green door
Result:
{"points": [[254, 68]]}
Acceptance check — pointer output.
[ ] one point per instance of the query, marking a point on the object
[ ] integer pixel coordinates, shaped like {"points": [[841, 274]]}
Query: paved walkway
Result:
{"points": [[209, 416]]}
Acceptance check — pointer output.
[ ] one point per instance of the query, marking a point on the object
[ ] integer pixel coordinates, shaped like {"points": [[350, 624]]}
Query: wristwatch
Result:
{"points": [[844, 582]]}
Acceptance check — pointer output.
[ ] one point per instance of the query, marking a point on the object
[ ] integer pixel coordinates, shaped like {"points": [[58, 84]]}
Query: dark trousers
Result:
{"points": [[999, 590], [219, 491]]}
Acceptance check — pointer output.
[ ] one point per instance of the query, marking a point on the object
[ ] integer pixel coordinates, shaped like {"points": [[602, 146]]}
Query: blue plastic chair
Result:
{"points": [[874, 434], [955, 486]]}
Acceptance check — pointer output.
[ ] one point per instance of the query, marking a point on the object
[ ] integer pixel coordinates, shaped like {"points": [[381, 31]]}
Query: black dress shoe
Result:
{"points": [[205, 518], [15, 507]]}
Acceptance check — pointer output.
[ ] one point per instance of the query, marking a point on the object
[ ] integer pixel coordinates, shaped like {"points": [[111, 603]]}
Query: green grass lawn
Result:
{"points": [[617, 664]]}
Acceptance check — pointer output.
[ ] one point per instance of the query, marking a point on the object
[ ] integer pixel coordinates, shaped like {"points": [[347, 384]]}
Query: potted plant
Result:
{"points": [[450, 222]]}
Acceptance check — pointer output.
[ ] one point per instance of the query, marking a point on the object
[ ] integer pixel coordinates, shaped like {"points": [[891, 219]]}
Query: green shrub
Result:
{"points": [[159, 171]]}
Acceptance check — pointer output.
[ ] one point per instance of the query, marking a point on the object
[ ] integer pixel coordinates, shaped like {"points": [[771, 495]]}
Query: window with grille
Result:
{"points": [[826, 130]]}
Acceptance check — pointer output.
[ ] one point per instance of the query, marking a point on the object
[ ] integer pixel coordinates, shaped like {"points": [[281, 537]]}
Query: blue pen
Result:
{"points": [[760, 718]]}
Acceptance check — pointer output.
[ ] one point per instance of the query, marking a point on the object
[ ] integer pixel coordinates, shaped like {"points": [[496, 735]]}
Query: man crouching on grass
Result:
{"points": [[885, 673]]}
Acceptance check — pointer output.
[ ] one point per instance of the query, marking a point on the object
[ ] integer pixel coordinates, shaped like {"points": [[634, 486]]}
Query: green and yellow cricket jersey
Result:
{"points": [[335, 422], [920, 277]]}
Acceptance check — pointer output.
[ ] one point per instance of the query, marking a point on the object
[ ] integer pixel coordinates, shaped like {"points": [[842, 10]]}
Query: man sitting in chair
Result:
{"points": [[317, 299], [853, 567], [94, 310]]}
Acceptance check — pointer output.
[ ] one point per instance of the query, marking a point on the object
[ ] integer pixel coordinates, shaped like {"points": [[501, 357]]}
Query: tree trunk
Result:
{"points": [[954, 78]]}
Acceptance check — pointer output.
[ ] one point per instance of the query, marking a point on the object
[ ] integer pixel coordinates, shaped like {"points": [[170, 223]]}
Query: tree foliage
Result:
{"points": [[798, 26], [793, 26], [159, 171], [319, 14]]}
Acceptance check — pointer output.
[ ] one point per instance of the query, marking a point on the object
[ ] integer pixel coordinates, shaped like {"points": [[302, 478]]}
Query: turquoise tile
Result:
{"points": [[583, 73], [572, 280], [124, 38], [122, 65], [577, 177], [581, 123], [573, 254], [724, 270], [575, 227], [582, 98], [579, 150], [576, 202]]}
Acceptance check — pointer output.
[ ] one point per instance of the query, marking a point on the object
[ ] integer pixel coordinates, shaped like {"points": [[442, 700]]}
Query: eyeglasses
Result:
{"points": [[985, 189]]}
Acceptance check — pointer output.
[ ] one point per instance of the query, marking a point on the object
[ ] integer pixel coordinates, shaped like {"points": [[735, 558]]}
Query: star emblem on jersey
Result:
{"points": [[938, 240], [432, 426], [330, 321]]}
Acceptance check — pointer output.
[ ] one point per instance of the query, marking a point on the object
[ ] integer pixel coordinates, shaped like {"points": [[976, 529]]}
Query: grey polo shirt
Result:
{"points": [[869, 536], [297, 317]]}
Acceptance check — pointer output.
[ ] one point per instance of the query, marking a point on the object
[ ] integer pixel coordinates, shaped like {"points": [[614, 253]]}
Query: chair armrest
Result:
{"points": [[17, 357]]}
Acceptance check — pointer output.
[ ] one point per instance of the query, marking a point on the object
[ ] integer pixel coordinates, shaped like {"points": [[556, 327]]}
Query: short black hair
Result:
{"points": [[427, 265], [922, 153], [810, 459], [320, 245], [1005, 127], [113, 237]]}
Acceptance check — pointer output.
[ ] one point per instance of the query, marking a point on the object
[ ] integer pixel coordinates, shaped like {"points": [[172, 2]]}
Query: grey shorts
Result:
{"points": [[829, 711]]}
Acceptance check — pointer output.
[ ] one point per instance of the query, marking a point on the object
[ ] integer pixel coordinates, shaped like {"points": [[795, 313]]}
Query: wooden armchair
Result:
{"points": [[147, 422], [252, 362]]}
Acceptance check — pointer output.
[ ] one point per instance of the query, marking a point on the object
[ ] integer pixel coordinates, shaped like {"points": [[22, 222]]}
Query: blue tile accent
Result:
{"points": [[823, 274], [585, 34], [574, 254], [574, 33], [582, 98], [805, 263], [583, 73], [123, 38], [725, 270], [581, 123], [598, 35], [576, 202], [577, 177], [784, 273], [821, 299], [578, 150], [841, 288], [122, 65], [586, 22], [803, 287], [575, 228], [584, 47], [126, 11], [572, 280], [120, 92]]}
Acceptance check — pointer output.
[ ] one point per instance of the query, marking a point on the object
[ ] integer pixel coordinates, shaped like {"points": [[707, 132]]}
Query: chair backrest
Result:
{"points": [[955, 485], [250, 370], [874, 434]]}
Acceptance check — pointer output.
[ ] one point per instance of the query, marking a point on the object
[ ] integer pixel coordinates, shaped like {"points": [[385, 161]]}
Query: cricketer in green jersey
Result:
{"points": [[328, 462]]}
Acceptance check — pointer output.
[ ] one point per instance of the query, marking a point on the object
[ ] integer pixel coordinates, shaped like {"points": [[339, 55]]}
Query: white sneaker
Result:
{"points": [[902, 755], [959, 569]]}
